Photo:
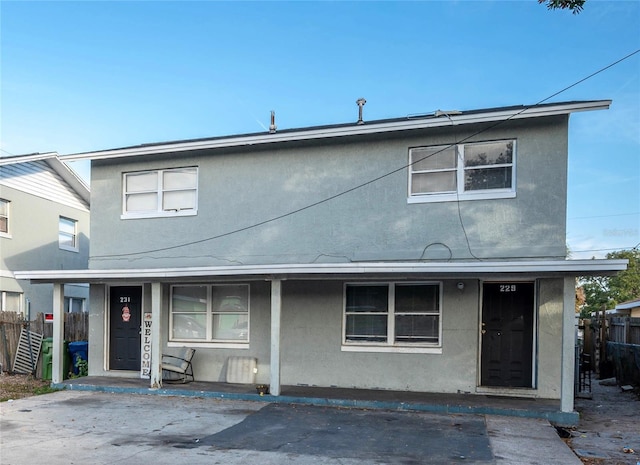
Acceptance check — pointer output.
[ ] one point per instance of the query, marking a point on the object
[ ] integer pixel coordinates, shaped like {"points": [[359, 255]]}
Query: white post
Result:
{"points": [[156, 341], [276, 307], [568, 346], [57, 361]]}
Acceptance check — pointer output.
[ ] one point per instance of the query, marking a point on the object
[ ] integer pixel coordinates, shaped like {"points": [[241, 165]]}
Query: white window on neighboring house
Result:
{"points": [[168, 192], [68, 234], [11, 302], [388, 316], [472, 171], [74, 305], [217, 314], [4, 217]]}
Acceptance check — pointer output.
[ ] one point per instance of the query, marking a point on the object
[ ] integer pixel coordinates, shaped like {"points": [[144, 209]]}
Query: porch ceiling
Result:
{"points": [[372, 270]]}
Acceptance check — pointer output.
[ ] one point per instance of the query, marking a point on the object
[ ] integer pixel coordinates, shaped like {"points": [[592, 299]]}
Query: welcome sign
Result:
{"points": [[145, 366]]}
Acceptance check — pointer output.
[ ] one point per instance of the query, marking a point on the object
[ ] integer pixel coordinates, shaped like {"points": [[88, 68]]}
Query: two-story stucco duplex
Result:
{"points": [[422, 253]]}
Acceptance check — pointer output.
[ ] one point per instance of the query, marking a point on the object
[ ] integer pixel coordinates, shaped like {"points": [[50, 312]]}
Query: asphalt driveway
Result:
{"points": [[75, 427]]}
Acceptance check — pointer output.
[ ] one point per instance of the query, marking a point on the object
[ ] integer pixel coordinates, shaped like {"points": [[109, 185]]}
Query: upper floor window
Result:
{"points": [[11, 302], [68, 234], [4, 217], [392, 315], [483, 170], [210, 313], [168, 192]]}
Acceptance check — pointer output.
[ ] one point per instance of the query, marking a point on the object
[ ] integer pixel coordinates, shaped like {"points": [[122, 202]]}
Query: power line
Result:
{"points": [[371, 181]]}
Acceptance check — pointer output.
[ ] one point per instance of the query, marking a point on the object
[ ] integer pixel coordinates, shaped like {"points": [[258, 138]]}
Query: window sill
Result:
{"points": [[391, 349], [452, 197], [170, 214], [6, 235], [209, 345], [69, 249]]}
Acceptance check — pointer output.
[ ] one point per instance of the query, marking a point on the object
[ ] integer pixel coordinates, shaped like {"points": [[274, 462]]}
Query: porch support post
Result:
{"points": [[156, 331], [57, 365], [568, 345], [276, 307]]}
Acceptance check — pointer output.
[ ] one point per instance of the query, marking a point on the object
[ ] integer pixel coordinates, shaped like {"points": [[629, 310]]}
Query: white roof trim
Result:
{"points": [[61, 168], [562, 267], [496, 115], [27, 158]]}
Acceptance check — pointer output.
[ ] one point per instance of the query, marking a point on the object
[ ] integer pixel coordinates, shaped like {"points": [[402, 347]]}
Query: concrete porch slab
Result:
{"points": [[474, 404]]}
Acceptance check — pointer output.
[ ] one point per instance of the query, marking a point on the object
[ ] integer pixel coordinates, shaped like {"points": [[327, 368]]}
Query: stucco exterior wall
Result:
{"points": [[242, 187], [550, 305], [97, 331], [312, 316], [33, 245], [311, 346]]}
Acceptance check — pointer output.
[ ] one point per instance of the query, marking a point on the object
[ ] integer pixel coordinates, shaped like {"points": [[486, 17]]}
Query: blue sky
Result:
{"points": [[83, 76]]}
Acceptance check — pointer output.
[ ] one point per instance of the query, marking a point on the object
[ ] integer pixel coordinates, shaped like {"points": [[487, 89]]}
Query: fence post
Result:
{"points": [[627, 330]]}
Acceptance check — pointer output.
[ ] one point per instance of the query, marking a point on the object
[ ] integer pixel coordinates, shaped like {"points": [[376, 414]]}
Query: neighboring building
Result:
{"points": [[44, 225], [422, 253], [630, 308]]}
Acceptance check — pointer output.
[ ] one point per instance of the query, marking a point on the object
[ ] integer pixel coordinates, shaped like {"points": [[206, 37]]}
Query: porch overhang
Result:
{"points": [[379, 270]]}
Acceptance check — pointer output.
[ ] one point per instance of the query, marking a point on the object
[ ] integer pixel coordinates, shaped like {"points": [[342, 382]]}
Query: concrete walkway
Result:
{"points": [[340, 397], [80, 427]]}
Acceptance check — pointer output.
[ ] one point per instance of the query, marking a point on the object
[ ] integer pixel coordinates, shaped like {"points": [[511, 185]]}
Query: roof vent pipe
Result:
{"points": [[360, 103], [272, 126]]}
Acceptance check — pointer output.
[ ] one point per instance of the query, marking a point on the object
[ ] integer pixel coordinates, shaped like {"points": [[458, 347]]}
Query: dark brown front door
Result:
{"points": [[507, 334], [125, 318]]}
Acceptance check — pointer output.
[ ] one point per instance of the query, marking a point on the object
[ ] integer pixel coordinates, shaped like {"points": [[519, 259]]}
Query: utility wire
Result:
{"points": [[371, 181]]}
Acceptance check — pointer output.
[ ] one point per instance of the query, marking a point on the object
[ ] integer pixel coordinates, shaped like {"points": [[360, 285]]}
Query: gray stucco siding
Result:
{"points": [[312, 324], [34, 225], [241, 188], [311, 342], [34, 245]]}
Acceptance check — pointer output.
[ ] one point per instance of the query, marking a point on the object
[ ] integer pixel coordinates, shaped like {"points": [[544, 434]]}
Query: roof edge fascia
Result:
{"points": [[27, 158], [628, 305], [312, 133], [60, 167], [565, 267]]}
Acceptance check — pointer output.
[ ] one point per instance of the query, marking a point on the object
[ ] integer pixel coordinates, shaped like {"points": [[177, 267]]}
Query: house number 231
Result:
{"points": [[125, 300], [507, 288]]}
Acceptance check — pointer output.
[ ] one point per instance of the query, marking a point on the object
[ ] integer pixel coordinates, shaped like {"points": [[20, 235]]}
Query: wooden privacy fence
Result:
{"points": [[76, 328], [625, 330]]}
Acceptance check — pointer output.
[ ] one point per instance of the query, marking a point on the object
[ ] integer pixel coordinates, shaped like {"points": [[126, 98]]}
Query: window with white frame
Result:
{"points": [[217, 313], [167, 192], [479, 170], [4, 217], [11, 302], [393, 314], [68, 234], [74, 305]]}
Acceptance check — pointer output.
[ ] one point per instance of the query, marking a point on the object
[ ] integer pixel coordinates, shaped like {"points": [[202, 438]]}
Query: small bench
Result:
{"points": [[178, 368]]}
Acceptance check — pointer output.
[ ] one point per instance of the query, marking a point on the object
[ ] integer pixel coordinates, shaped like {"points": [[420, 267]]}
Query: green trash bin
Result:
{"points": [[47, 358]]}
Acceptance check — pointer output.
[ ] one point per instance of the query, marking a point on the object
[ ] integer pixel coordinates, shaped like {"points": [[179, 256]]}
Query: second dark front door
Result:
{"points": [[125, 318], [507, 334]]}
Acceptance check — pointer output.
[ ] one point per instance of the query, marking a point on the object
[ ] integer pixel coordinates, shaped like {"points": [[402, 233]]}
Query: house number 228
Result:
{"points": [[125, 300], [507, 288]]}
